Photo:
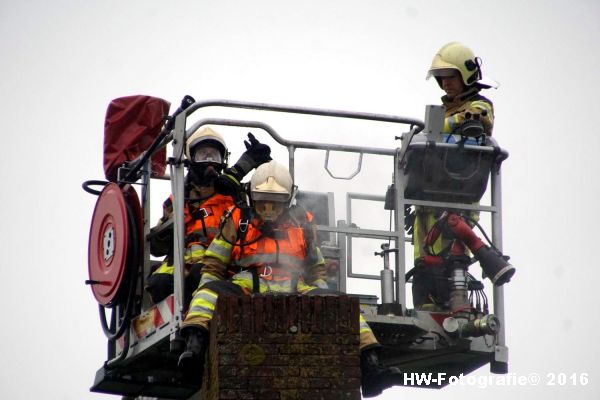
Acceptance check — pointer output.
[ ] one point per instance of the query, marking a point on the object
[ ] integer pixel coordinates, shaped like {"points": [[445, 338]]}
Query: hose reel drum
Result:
{"points": [[114, 244]]}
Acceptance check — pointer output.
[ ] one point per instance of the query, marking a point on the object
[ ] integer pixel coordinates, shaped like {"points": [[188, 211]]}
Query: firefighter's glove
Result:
{"points": [[409, 219], [256, 153], [259, 152]]}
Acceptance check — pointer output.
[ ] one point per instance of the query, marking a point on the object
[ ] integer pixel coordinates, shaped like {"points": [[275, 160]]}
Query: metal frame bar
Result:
{"points": [[304, 110], [146, 192], [498, 295], [177, 179], [342, 243]]}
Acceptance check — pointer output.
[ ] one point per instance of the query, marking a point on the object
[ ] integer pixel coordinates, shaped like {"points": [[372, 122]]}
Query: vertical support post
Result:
{"points": [[399, 229], [177, 180], [348, 238], [146, 228], [342, 244], [291, 151], [331, 220], [500, 362]]}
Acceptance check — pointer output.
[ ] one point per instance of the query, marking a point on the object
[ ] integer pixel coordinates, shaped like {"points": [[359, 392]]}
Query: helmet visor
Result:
{"points": [[443, 72], [270, 196], [207, 154]]}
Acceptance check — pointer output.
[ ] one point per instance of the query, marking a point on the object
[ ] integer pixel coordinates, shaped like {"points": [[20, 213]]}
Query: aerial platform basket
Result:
{"points": [[143, 338]]}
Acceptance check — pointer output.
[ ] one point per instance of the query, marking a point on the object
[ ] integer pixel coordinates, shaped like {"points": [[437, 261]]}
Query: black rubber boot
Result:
{"points": [[376, 377], [191, 361]]}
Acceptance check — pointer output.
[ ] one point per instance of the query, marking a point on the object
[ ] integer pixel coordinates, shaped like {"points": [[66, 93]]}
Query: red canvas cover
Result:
{"points": [[131, 125]]}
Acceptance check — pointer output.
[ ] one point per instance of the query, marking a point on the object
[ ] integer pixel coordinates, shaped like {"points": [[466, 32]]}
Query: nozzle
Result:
{"points": [[471, 127], [495, 265]]}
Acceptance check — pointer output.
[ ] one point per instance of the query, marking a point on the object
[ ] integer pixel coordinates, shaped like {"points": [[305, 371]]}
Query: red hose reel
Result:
{"points": [[113, 242]]}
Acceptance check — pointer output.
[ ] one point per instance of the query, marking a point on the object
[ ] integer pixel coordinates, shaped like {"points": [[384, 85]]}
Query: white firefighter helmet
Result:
{"points": [[199, 144], [271, 182], [455, 56]]}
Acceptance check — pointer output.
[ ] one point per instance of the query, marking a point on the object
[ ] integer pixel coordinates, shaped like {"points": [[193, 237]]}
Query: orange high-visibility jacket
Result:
{"points": [[202, 221], [278, 256], [200, 216], [284, 253]]}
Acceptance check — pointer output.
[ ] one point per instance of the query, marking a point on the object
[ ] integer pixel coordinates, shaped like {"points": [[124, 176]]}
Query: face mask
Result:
{"points": [[204, 174], [207, 154]]}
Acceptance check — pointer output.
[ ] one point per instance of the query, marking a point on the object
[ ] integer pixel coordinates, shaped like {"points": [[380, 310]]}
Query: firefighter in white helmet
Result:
{"points": [[210, 190], [467, 113], [272, 248]]}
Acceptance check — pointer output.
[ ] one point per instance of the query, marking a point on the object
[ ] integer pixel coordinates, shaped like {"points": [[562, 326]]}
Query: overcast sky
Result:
{"points": [[63, 61]]}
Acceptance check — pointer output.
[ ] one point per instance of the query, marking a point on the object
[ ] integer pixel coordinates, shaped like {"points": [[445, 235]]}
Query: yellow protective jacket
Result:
{"points": [[468, 102]]}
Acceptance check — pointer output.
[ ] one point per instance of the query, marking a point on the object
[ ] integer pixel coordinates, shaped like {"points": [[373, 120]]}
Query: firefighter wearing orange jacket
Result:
{"points": [[273, 248], [458, 73], [204, 205]]}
